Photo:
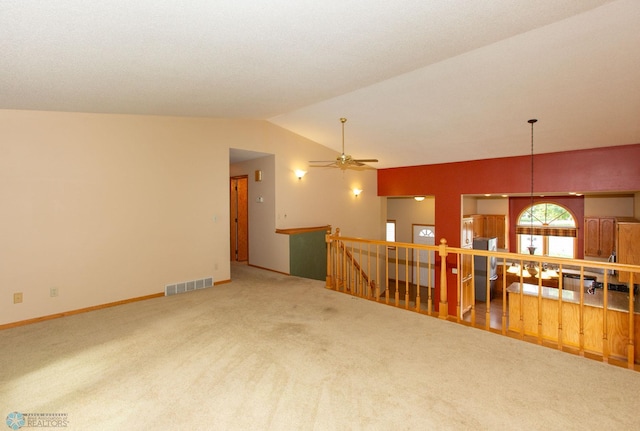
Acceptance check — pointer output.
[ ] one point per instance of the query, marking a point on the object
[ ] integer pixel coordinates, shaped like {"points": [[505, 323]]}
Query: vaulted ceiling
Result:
{"points": [[420, 81]]}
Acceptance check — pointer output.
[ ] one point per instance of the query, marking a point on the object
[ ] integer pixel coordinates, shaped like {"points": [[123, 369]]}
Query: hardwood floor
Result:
{"points": [[495, 307], [495, 314]]}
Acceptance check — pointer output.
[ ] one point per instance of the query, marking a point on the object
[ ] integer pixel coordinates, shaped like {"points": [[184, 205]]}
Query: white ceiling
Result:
{"points": [[419, 81]]}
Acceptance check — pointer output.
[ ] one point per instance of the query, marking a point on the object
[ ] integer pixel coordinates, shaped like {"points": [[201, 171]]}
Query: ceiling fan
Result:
{"points": [[344, 161]]}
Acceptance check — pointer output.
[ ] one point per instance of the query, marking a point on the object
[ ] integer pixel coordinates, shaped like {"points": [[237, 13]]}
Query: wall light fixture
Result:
{"points": [[300, 173]]}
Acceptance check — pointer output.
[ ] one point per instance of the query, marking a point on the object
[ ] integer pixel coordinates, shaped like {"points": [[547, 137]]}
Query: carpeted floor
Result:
{"points": [[271, 352]]}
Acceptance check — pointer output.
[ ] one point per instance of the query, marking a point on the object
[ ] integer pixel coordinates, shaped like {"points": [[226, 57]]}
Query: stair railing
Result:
{"points": [[527, 308]]}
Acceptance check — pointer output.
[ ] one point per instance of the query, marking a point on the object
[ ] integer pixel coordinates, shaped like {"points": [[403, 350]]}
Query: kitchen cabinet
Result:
{"points": [[490, 226], [495, 225], [599, 236], [466, 280], [628, 247], [466, 273], [478, 226]]}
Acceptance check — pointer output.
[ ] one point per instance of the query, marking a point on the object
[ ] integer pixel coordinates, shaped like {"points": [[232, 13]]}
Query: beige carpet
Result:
{"points": [[271, 352]]}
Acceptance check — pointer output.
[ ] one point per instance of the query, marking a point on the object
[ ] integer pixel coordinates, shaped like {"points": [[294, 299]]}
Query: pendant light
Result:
{"points": [[532, 248]]}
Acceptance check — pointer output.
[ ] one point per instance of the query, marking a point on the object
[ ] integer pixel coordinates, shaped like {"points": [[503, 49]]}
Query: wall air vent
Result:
{"points": [[187, 286]]}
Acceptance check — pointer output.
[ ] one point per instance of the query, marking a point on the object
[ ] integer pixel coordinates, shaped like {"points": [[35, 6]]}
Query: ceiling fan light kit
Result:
{"points": [[344, 161]]}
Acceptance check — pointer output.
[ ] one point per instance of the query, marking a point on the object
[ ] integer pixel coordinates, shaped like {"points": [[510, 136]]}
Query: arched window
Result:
{"points": [[427, 233], [550, 228]]}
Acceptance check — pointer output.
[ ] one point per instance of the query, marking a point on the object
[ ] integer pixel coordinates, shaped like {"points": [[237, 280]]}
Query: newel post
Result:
{"points": [[327, 238], [444, 303]]}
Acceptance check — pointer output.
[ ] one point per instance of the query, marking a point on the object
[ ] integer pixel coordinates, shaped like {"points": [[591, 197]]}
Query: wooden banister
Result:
{"points": [[542, 312]]}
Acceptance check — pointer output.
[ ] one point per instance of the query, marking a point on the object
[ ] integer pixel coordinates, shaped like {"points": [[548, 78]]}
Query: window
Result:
{"points": [[550, 228], [428, 233], [391, 231]]}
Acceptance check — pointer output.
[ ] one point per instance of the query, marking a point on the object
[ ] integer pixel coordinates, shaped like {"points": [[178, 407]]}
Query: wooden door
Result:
{"points": [[478, 226], [607, 236], [501, 231], [599, 236], [238, 198], [592, 236]]}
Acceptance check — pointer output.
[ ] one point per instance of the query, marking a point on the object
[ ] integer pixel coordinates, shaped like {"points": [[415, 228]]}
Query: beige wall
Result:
{"points": [[407, 212], [493, 206], [322, 197], [469, 205], [112, 207], [606, 206]]}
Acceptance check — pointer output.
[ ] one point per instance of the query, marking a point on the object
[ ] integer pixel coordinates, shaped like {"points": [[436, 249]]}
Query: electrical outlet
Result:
{"points": [[53, 292], [454, 270], [17, 297]]}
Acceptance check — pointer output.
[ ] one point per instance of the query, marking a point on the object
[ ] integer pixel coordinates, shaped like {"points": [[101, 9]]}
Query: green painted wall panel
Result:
{"points": [[308, 255]]}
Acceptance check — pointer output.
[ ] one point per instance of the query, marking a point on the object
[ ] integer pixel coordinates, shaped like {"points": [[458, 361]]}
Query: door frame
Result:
{"points": [[239, 218]]}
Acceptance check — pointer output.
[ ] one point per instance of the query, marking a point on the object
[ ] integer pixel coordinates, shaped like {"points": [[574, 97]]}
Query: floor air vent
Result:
{"points": [[187, 286]]}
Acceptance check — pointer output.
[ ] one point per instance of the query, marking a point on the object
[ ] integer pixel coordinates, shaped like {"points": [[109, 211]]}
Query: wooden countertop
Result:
{"points": [[618, 301]]}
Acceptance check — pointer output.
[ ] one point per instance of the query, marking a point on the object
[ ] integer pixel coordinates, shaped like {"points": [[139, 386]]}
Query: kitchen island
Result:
{"points": [[562, 319]]}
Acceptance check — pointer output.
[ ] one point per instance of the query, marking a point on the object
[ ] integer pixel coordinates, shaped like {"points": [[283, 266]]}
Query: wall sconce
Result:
{"points": [[258, 176], [356, 192], [419, 198], [300, 173]]}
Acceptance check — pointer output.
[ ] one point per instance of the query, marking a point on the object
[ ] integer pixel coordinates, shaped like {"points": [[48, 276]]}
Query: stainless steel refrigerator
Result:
{"points": [[480, 268]]}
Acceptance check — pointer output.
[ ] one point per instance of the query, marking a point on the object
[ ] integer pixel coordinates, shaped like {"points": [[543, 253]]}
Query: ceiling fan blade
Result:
{"points": [[327, 165], [366, 160]]}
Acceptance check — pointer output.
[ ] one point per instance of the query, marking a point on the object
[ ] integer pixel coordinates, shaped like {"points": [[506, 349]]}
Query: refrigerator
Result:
{"points": [[481, 275]]}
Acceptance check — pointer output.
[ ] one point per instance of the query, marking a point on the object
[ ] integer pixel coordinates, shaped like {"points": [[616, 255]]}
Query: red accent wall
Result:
{"points": [[607, 169]]}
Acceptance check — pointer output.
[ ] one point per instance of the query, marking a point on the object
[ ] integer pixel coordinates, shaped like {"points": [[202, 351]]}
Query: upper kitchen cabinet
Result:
{"points": [[599, 236], [478, 225], [490, 226], [495, 226], [628, 246]]}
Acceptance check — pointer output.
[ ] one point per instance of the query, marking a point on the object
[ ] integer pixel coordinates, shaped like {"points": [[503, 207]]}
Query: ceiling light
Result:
{"points": [[419, 198]]}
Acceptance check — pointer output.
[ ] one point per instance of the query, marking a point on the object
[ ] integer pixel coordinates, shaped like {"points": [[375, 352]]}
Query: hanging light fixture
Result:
{"points": [[532, 248]]}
